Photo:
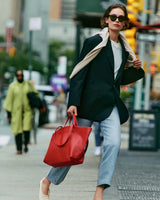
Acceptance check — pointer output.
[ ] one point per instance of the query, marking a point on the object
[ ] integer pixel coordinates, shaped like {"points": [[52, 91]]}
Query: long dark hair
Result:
{"points": [[107, 12]]}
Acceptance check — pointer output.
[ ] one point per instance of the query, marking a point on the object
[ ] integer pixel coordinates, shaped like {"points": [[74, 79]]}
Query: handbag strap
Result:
{"points": [[74, 120], [68, 120], [67, 138], [69, 132]]}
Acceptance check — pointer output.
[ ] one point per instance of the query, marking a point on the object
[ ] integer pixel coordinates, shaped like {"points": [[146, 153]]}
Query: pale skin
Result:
{"points": [[114, 28]]}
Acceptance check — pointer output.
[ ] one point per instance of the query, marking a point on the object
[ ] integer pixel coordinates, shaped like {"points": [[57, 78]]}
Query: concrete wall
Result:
{"points": [[38, 8], [63, 30], [10, 9]]}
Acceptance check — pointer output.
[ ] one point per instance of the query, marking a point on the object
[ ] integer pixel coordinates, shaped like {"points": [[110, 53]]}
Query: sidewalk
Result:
{"points": [[137, 174]]}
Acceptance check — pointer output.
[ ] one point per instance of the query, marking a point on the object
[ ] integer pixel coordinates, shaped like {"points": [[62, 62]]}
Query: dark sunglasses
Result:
{"points": [[120, 18], [19, 75]]}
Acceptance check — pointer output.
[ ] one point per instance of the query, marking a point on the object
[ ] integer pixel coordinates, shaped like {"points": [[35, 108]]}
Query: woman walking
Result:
{"points": [[95, 94]]}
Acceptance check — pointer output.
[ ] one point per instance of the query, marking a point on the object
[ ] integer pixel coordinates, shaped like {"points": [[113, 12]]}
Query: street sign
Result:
{"points": [[35, 24], [59, 81], [62, 65], [143, 130], [9, 34]]}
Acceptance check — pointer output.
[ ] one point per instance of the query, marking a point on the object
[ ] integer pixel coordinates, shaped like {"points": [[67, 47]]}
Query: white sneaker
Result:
{"points": [[41, 195], [97, 151]]}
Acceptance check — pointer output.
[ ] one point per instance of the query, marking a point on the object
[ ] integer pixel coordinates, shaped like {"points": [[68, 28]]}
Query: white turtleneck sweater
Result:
{"points": [[117, 53]]}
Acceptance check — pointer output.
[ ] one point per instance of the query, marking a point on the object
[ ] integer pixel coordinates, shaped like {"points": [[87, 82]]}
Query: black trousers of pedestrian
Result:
{"points": [[20, 140]]}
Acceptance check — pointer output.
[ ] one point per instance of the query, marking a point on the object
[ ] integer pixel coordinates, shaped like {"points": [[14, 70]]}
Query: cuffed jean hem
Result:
{"points": [[57, 175], [104, 185]]}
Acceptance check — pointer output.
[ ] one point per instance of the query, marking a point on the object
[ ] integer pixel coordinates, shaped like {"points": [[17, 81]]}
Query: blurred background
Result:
{"points": [[44, 38]]}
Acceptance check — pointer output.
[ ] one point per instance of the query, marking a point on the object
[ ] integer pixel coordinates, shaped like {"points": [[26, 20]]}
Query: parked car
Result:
{"points": [[47, 94]]}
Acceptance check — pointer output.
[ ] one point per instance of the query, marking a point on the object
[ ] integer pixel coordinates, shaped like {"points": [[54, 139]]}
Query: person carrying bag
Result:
{"points": [[95, 94]]}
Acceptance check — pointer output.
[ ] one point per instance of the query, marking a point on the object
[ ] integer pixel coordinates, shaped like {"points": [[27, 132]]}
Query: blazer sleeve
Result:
{"points": [[78, 81]]}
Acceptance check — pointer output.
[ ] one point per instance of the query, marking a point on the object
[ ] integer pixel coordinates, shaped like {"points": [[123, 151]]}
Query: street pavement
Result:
{"points": [[137, 174]]}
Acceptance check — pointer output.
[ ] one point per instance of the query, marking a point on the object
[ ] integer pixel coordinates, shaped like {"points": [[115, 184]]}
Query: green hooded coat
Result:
{"points": [[17, 103]]}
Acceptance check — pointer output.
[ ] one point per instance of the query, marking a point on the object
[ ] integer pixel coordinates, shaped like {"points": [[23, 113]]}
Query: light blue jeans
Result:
{"points": [[97, 134], [111, 131]]}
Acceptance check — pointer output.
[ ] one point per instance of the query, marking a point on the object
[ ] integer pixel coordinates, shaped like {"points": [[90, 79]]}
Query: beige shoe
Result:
{"points": [[41, 195]]}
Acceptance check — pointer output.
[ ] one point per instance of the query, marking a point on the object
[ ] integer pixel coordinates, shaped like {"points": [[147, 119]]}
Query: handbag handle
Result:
{"points": [[68, 119], [70, 130], [74, 120]]}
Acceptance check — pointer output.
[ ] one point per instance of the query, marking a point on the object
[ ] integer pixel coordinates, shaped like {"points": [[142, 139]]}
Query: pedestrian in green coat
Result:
{"points": [[19, 111]]}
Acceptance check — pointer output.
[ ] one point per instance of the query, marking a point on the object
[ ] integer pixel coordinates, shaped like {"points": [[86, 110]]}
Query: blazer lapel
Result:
{"points": [[109, 54], [124, 58]]}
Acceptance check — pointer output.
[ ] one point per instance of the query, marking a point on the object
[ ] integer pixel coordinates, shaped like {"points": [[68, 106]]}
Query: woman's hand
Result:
{"points": [[137, 63], [71, 110]]}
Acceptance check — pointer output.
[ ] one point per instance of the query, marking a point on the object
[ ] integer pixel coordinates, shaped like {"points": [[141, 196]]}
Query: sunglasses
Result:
{"points": [[120, 18], [19, 75]]}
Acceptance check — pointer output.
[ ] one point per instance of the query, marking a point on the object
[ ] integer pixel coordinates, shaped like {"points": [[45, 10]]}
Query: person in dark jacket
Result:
{"points": [[95, 94]]}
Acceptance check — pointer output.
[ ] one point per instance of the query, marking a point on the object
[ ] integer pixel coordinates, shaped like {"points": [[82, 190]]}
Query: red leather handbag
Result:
{"points": [[68, 145]]}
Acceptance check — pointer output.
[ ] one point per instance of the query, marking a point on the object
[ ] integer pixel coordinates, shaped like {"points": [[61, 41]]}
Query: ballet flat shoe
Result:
{"points": [[41, 195]]}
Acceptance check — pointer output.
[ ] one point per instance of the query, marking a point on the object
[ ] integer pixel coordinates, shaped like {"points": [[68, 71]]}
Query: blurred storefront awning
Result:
{"points": [[89, 21], [89, 13]]}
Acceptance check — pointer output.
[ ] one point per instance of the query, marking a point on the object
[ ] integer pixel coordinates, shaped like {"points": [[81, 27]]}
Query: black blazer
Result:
{"points": [[93, 90]]}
